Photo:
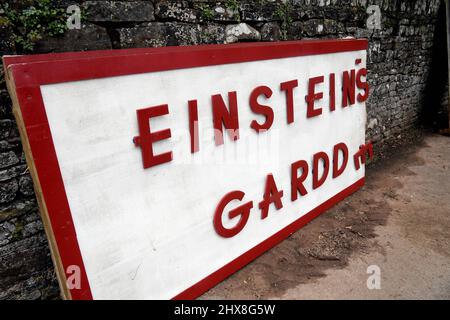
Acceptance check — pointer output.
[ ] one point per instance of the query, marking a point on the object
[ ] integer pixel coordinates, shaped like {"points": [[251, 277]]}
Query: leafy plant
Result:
{"points": [[206, 12], [33, 23], [283, 13], [233, 6]]}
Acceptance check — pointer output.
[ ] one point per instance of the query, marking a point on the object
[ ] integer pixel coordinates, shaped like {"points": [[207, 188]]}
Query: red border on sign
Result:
{"points": [[30, 72], [233, 266]]}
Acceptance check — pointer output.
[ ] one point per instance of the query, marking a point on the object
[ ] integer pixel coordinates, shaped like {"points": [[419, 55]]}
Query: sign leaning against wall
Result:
{"points": [[159, 172]]}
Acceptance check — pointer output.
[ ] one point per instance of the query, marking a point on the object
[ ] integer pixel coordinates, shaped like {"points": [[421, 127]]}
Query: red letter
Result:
{"points": [[312, 96], [271, 195], [261, 109], [193, 125], [289, 86], [296, 181], [348, 88], [316, 181], [339, 147], [146, 137], [360, 156], [242, 210], [332, 92], [221, 115], [362, 85]]}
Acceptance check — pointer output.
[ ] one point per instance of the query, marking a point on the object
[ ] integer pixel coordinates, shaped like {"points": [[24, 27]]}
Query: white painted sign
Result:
{"points": [[180, 165]]}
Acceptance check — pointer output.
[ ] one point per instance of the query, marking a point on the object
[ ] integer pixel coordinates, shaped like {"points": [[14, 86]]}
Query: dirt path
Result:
{"points": [[400, 222]]}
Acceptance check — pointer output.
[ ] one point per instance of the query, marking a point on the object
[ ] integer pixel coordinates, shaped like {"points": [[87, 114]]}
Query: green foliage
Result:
{"points": [[18, 232], [233, 6], [283, 13], [33, 23], [206, 12]]}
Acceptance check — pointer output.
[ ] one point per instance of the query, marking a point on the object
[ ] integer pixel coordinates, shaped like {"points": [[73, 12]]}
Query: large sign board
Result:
{"points": [[160, 172]]}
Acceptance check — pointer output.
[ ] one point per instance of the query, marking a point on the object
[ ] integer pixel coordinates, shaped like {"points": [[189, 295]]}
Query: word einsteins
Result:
{"points": [[226, 117]]}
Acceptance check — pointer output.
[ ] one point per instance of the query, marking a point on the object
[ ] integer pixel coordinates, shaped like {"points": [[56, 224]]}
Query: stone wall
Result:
{"points": [[399, 60]]}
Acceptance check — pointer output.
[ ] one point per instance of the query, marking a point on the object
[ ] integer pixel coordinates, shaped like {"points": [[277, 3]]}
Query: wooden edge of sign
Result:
{"points": [[60, 272]]}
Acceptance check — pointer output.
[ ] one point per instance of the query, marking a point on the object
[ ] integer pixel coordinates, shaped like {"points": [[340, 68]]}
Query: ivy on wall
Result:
{"points": [[283, 13], [31, 24]]}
